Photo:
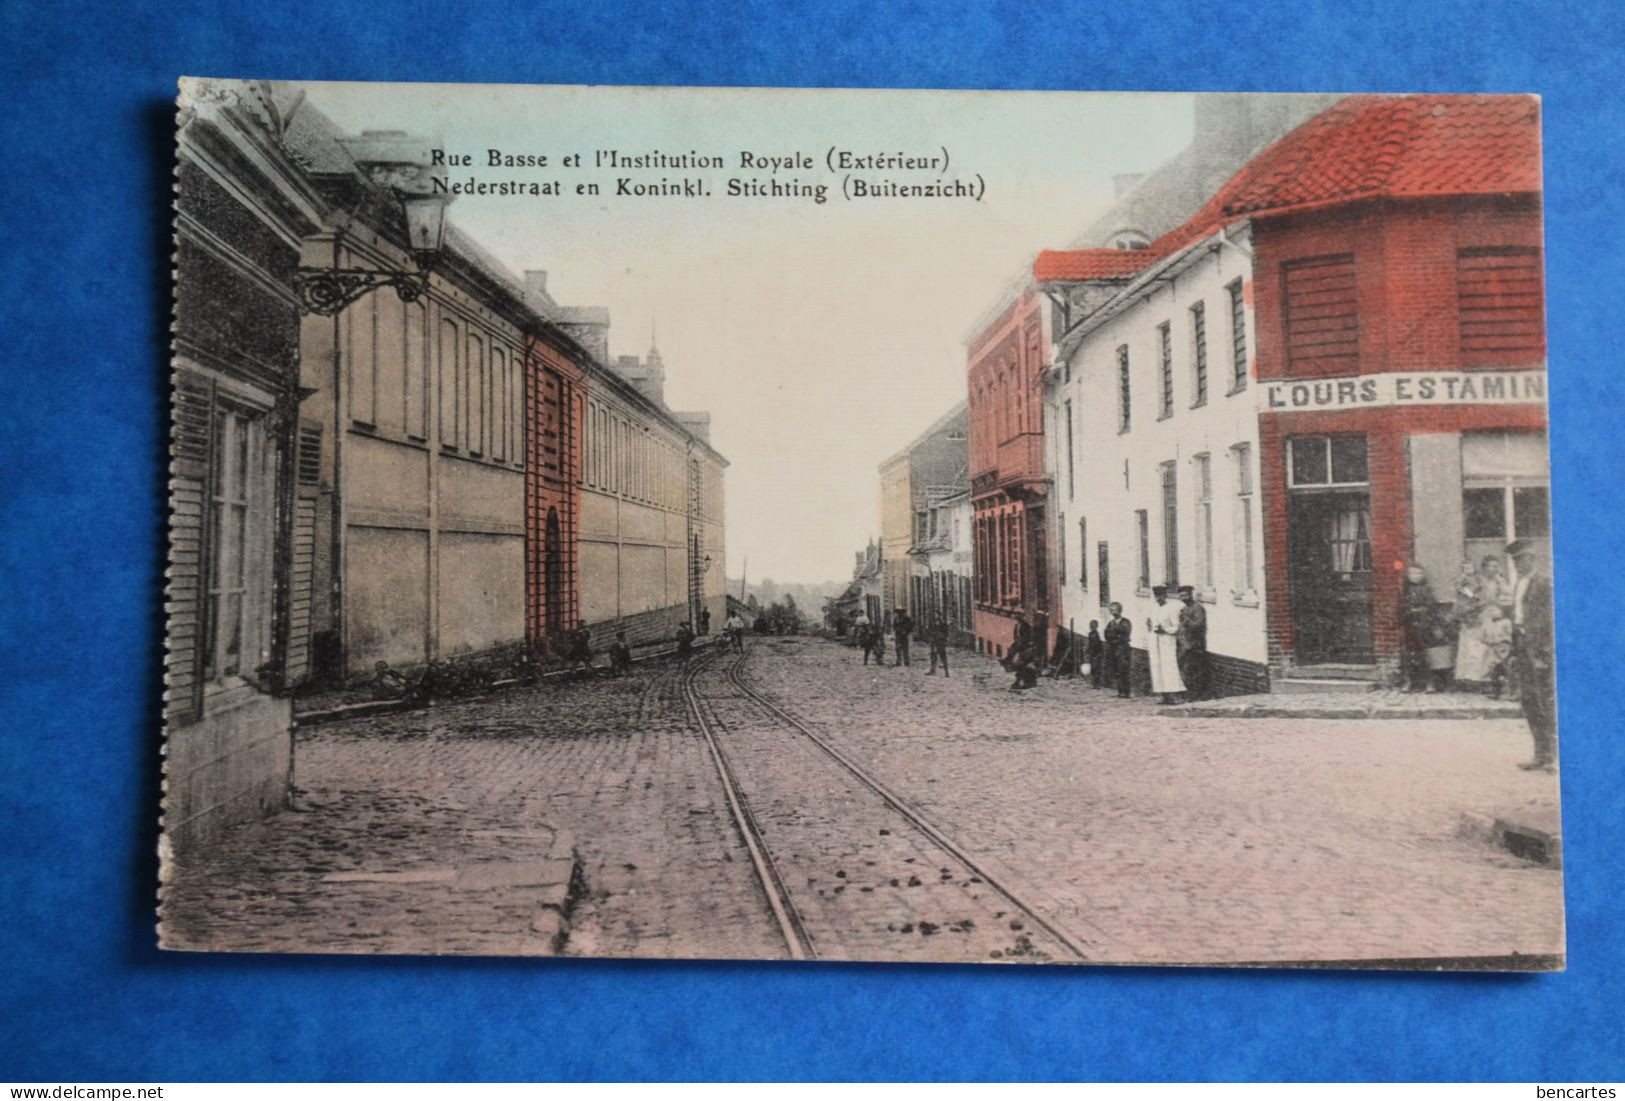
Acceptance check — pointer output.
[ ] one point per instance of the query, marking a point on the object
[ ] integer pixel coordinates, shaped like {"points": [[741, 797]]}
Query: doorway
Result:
{"points": [[1329, 553]]}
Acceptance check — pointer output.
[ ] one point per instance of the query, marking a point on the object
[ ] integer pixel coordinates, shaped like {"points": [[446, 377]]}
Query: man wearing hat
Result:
{"points": [[1163, 625], [1533, 648], [1191, 643]]}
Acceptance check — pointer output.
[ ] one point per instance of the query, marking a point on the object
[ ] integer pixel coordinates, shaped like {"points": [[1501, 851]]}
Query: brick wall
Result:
{"points": [[1405, 259]]}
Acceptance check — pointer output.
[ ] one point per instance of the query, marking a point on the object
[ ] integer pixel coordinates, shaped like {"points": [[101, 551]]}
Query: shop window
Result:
{"points": [[1504, 489], [1317, 461], [1322, 325], [1531, 512], [1484, 513]]}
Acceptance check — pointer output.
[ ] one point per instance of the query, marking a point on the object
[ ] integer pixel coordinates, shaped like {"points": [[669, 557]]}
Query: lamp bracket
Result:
{"points": [[327, 291]]}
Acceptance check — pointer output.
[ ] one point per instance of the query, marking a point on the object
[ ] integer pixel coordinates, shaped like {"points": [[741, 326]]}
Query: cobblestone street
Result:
{"points": [[1138, 836]]}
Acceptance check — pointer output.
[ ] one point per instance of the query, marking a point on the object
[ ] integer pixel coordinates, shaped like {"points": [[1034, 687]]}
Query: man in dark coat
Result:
{"points": [[937, 636], [902, 626], [1192, 645], [1094, 652], [581, 644], [685, 641], [1534, 649], [620, 655], [1118, 632]]}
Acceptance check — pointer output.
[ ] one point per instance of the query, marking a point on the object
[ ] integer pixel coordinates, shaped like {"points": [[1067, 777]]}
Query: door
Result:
{"points": [[1329, 551], [553, 572]]}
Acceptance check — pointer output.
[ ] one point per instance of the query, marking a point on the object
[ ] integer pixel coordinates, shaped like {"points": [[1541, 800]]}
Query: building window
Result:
{"points": [[1123, 405], [1142, 526], [1165, 371], [361, 349], [1204, 520], [1083, 553], [450, 375], [1199, 354], [1071, 465], [1062, 548], [499, 403], [1326, 461], [1500, 304], [234, 620], [1103, 572], [1322, 326], [1170, 526], [1242, 456], [1238, 337], [1504, 494], [415, 372]]}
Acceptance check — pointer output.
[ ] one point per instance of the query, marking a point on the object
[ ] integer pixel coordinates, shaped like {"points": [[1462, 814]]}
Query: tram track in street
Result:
{"points": [[771, 826]]}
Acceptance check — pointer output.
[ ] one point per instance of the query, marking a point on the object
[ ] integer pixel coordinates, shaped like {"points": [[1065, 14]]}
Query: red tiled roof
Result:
{"points": [[1056, 266], [1363, 147]]}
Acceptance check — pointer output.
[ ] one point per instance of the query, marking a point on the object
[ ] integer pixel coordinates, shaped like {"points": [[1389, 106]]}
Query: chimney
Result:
{"points": [[648, 376]]}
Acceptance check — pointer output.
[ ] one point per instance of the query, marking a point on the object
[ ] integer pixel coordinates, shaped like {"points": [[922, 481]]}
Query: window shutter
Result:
{"points": [[1322, 329], [307, 487], [193, 418], [1498, 291]]}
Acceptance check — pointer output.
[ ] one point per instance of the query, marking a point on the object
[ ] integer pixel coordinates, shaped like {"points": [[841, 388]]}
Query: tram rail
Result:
{"points": [[780, 901]]}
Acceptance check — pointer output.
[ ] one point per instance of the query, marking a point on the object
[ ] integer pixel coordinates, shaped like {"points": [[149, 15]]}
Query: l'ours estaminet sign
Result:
{"points": [[1405, 388]]}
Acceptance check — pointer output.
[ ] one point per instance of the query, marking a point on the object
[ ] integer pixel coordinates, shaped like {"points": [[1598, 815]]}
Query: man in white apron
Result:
{"points": [[1163, 646]]}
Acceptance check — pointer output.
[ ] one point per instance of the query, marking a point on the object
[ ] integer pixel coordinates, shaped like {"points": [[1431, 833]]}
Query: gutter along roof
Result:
{"points": [[314, 141], [1364, 147]]}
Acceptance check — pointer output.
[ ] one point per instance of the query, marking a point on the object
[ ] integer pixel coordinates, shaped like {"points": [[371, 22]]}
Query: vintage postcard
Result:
{"points": [[860, 525]]}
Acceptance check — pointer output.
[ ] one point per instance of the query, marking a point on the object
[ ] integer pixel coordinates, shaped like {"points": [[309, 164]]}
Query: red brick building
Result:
{"points": [[1009, 488], [554, 407], [1398, 297], [1397, 360]]}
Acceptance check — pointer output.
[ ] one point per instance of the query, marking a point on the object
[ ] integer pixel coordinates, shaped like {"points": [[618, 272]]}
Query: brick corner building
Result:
{"points": [[1401, 355]]}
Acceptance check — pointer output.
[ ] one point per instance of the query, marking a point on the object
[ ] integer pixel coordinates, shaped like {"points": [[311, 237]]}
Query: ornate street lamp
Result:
{"points": [[400, 166]]}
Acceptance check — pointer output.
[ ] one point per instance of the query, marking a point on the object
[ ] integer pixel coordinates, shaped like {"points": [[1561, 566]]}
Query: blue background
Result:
{"points": [[87, 133]]}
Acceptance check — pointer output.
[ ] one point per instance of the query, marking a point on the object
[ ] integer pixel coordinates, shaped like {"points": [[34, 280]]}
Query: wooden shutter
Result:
{"points": [[307, 487], [191, 448], [1498, 291], [1322, 327]]}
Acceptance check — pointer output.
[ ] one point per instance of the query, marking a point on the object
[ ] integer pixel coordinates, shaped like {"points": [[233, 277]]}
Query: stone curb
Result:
{"points": [[1265, 711], [1525, 842], [368, 708]]}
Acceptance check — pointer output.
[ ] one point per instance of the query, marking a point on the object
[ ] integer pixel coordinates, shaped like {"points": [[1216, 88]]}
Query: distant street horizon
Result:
{"points": [[822, 337]]}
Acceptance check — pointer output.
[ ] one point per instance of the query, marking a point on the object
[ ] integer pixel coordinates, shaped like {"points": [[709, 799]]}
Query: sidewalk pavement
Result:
{"points": [[1381, 704]]}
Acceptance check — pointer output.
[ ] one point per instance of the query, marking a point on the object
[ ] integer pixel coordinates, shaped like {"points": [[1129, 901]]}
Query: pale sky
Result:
{"points": [[821, 338]]}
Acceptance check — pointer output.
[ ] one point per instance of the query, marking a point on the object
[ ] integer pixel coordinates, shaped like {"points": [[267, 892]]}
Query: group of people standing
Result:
{"points": [[1177, 651], [871, 639], [1503, 639]]}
